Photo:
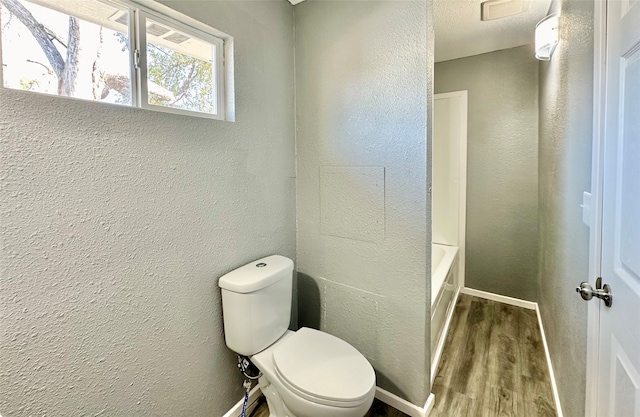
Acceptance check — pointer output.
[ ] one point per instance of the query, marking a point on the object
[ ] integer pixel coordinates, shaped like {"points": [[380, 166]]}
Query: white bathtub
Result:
{"points": [[444, 282]]}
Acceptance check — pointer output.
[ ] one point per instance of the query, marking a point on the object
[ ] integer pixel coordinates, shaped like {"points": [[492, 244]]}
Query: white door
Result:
{"points": [[619, 341]]}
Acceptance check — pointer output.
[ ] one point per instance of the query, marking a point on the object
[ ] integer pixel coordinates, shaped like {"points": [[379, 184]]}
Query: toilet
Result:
{"points": [[306, 373]]}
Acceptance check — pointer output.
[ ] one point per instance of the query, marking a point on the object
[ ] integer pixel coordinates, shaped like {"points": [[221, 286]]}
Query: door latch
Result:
{"points": [[604, 293]]}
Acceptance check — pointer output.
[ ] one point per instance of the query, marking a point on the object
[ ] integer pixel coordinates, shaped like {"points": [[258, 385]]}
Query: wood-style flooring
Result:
{"points": [[493, 364]]}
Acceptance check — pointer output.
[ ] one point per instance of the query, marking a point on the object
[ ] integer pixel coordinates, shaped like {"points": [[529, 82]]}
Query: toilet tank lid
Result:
{"points": [[257, 274]]}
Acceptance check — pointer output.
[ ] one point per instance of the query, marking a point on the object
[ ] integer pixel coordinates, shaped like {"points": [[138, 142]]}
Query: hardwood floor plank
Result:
{"points": [[470, 374], [537, 398], [503, 367], [450, 403], [532, 354], [497, 402], [455, 341]]}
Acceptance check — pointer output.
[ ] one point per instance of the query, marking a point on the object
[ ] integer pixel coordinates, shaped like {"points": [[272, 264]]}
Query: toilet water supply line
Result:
{"points": [[245, 366], [247, 386]]}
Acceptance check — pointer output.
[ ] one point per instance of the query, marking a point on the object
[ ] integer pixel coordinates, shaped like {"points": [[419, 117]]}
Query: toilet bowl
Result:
{"points": [[309, 373], [306, 373]]}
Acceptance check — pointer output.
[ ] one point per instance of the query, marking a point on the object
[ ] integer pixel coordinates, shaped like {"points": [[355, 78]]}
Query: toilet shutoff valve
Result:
{"points": [[248, 369], [243, 363]]}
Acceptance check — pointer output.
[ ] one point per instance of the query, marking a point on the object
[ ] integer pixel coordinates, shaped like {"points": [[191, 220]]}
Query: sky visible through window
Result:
{"points": [[103, 52], [88, 57]]}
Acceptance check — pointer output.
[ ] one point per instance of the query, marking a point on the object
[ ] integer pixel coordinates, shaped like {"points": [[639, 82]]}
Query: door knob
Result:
{"points": [[587, 292]]}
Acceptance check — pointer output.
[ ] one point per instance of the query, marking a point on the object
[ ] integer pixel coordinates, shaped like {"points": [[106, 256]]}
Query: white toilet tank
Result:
{"points": [[256, 304]]}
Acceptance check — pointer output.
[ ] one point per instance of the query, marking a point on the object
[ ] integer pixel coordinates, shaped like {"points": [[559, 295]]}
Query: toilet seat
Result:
{"points": [[323, 369]]}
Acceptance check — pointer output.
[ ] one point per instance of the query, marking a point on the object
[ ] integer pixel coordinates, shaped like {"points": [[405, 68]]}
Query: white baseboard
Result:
{"points": [[554, 386], [254, 395], [428, 406], [530, 305], [403, 405]]}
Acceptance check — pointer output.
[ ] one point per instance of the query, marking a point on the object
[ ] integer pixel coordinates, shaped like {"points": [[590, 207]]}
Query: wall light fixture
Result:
{"points": [[547, 37]]}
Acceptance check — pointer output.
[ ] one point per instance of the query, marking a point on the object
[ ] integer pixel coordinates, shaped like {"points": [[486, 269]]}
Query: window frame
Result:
{"points": [[138, 13], [142, 75]]}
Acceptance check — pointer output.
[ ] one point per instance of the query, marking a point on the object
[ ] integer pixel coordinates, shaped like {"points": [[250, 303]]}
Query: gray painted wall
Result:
{"points": [[361, 77], [565, 172], [502, 168], [117, 222]]}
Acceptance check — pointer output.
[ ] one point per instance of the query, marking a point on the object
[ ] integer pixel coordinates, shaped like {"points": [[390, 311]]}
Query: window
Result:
{"points": [[179, 67], [88, 49]]}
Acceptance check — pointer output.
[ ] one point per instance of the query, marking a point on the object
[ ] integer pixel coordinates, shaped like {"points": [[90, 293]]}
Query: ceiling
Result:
{"points": [[460, 32]]}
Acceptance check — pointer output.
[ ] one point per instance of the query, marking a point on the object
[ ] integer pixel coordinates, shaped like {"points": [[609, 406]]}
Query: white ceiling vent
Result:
{"points": [[497, 9]]}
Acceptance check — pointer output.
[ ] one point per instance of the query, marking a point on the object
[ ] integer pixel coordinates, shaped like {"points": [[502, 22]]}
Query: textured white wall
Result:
{"points": [[566, 116], [361, 93], [502, 168], [117, 222]]}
